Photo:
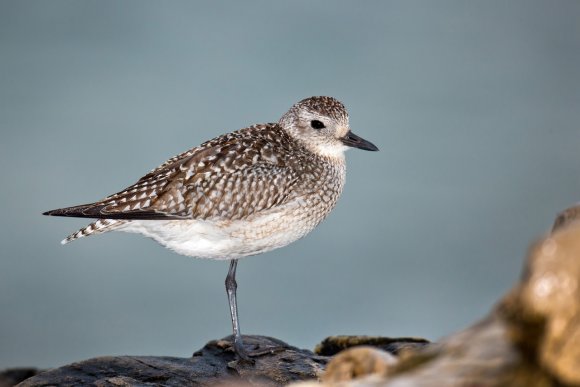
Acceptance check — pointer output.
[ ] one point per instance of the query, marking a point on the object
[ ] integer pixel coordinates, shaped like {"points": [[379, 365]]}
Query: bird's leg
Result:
{"points": [[231, 287]]}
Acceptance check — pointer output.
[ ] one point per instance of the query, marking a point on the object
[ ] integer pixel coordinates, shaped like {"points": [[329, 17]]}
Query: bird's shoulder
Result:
{"points": [[243, 148]]}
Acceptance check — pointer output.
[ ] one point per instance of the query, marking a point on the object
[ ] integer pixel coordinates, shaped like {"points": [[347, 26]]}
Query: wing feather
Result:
{"points": [[230, 177]]}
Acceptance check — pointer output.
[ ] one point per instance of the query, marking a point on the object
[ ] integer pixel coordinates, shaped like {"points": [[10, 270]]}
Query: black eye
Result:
{"points": [[317, 124]]}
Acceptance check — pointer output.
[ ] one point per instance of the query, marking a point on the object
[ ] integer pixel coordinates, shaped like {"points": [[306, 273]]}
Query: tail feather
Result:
{"points": [[100, 226]]}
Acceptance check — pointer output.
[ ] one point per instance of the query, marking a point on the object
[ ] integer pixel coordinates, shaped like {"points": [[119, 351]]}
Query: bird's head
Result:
{"points": [[321, 124]]}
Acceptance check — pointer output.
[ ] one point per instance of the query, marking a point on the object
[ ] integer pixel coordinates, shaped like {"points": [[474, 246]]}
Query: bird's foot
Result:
{"points": [[246, 354], [267, 350], [242, 353]]}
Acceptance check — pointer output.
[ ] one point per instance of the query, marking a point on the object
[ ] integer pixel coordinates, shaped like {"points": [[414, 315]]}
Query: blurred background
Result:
{"points": [[474, 105]]}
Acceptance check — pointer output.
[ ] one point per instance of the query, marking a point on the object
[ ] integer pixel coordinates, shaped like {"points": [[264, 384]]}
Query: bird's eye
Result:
{"points": [[317, 124]]}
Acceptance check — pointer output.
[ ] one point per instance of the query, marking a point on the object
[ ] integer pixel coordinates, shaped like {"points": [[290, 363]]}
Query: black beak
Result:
{"points": [[351, 139]]}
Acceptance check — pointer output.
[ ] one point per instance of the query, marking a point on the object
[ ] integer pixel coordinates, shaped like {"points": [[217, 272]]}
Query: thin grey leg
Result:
{"points": [[231, 287]]}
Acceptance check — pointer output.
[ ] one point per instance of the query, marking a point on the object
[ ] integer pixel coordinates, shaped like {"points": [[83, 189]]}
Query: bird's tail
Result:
{"points": [[100, 226]]}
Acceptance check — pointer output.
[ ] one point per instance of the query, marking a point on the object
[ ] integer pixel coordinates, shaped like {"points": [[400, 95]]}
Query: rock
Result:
{"points": [[335, 344], [543, 311], [566, 217], [358, 362], [278, 364], [213, 363], [13, 376]]}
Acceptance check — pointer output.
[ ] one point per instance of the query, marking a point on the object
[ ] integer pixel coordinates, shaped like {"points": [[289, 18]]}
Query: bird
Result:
{"points": [[243, 193]]}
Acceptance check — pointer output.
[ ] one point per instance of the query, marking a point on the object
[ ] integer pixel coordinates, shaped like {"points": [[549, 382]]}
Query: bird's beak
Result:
{"points": [[351, 139]]}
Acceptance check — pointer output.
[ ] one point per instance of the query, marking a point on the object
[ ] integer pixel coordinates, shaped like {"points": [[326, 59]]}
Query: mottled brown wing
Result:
{"points": [[231, 180], [230, 177]]}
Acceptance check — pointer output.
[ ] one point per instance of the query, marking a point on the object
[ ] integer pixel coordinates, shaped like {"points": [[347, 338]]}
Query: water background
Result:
{"points": [[474, 105]]}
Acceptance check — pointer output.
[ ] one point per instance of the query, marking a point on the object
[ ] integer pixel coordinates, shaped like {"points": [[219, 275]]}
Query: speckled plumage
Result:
{"points": [[242, 193]]}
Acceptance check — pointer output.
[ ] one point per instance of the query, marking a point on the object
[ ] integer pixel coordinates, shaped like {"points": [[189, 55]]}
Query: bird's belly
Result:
{"points": [[225, 239]]}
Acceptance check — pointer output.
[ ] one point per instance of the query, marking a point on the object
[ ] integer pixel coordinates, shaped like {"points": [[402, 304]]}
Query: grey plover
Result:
{"points": [[240, 194]]}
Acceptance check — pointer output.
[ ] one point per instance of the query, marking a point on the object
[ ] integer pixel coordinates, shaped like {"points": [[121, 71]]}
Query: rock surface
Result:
{"points": [[278, 364], [566, 217], [335, 344], [214, 362], [13, 376], [358, 362]]}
